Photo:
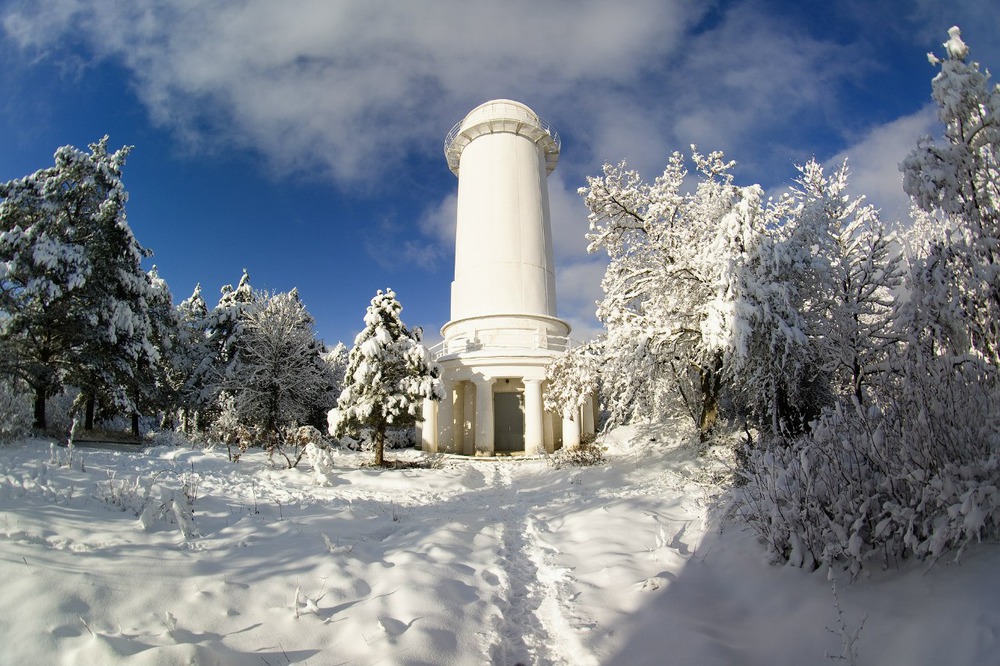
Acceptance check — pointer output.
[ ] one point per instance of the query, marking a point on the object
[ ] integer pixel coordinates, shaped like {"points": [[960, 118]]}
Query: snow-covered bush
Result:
{"points": [[320, 457], [587, 454], [15, 412], [228, 429], [572, 378], [910, 465], [913, 474], [395, 438], [170, 506]]}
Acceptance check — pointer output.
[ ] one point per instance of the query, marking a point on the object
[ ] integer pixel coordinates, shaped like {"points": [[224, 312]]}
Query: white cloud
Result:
{"points": [[752, 84], [874, 161], [438, 222], [349, 88], [578, 288]]}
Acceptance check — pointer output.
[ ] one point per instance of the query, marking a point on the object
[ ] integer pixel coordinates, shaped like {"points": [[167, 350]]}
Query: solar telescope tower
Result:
{"points": [[503, 330]]}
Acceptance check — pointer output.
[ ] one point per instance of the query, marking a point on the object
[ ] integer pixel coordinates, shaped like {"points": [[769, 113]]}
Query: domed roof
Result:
{"points": [[501, 115]]}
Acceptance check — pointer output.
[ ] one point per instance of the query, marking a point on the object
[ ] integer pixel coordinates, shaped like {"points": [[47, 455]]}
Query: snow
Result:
{"points": [[463, 562]]}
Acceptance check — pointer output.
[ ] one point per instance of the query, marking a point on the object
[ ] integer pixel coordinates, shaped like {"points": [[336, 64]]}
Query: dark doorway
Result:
{"points": [[508, 430]]}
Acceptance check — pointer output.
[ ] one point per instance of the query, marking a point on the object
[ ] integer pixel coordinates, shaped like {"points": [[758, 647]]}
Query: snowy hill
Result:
{"points": [[465, 562]]}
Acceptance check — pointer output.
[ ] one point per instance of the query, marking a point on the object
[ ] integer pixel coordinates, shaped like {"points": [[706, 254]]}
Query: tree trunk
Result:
{"points": [[711, 387], [135, 424], [380, 446], [88, 420], [40, 395]]}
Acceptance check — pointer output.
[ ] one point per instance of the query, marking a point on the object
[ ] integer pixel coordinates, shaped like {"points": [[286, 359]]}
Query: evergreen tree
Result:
{"points": [[389, 374], [224, 327], [191, 360], [74, 296]]}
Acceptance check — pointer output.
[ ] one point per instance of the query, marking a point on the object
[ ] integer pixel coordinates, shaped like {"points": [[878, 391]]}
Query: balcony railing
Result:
{"points": [[502, 341], [541, 132]]}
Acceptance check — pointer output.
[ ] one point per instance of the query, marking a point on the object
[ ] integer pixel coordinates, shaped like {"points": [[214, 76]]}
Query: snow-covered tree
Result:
{"points": [[908, 465], [74, 296], [224, 327], [191, 359], [336, 359], [151, 384], [572, 378], [814, 311], [389, 374], [282, 377], [666, 285], [958, 285]]}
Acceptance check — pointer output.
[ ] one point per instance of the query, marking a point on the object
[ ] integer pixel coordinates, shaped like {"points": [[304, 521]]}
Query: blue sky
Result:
{"points": [[303, 140]]}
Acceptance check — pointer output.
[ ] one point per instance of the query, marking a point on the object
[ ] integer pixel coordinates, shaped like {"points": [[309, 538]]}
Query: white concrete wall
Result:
{"points": [[503, 244], [502, 154]]}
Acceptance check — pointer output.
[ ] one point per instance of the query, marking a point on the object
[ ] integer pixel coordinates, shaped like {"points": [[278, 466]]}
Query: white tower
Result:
{"points": [[503, 329]]}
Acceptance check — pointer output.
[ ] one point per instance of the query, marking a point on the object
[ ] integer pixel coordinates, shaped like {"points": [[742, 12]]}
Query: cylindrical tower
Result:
{"points": [[503, 331], [502, 153]]}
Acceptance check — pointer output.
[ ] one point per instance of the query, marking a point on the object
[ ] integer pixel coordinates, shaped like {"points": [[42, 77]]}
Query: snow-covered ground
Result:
{"points": [[468, 562]]}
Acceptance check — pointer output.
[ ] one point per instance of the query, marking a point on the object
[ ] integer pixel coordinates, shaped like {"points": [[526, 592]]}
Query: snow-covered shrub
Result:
{"points": [[915, 473], [910, 465], [587, 454], [59, 408], [15, 412], [572, 378], [397, 438], [228, 429], [320, 457], [400, 438], [173, 506]]}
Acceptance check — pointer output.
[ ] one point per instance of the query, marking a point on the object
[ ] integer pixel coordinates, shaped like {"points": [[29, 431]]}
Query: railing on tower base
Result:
{"points": [[525, 340]]}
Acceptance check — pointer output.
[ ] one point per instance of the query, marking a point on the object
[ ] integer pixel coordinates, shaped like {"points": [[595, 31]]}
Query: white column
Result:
{"points": [[484, 416], [571, 428], [550, 431], [534, 433], [446, 419], [427, 428], [469, 418], [588, 416]]}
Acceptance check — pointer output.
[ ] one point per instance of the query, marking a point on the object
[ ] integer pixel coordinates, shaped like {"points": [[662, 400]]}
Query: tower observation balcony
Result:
{"points": [[497, 117]]}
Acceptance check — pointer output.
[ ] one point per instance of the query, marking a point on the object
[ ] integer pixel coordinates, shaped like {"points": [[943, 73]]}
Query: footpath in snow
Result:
{"points": [[175, 556]]}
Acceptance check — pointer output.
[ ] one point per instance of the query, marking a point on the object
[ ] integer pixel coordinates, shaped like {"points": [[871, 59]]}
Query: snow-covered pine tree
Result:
{"points": [[191, 359], [389, 374], [282, 377], [224, 330], [73, 292]]}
